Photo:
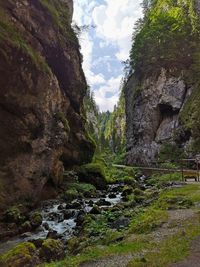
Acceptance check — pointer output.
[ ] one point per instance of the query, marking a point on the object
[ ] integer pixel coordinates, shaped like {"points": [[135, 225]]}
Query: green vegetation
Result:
{"points": [[165, 37], [162, 180], [106, 129], [148, 220], [172, 152]]}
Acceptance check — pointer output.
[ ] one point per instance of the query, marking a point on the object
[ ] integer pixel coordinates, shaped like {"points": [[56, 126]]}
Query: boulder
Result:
{"points": [[52, 250]]}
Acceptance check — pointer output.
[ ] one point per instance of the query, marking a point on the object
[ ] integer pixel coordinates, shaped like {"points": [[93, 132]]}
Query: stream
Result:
{"points": [[61, 219]]}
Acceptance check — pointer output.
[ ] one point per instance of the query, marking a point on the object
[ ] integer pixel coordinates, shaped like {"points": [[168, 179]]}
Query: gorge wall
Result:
{"points": [[162, 93], [42, 86]]}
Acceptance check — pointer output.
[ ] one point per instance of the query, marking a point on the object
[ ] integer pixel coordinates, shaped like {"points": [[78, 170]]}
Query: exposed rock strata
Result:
{"points": [[42, 86]]}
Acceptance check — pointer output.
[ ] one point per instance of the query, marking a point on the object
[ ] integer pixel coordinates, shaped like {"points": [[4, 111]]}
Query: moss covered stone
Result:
{"points": [[36, 219], [52, 250], [93, 173], [70, 194], [13, 215], [21, 255]]}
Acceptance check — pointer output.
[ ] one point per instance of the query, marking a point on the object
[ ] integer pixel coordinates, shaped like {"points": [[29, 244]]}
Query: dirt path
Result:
{"points": [[170, 228]]}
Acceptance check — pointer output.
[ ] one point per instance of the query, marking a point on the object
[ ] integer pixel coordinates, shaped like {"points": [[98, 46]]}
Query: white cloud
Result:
{"points": [[111, 87], [114, 21], [94, 79]]}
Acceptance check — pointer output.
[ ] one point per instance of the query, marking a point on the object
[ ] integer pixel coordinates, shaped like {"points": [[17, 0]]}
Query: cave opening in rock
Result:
{"points": [[167, 110]]}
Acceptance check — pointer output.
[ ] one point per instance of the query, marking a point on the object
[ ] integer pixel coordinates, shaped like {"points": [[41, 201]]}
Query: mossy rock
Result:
{"points": [[127, 190], [52, 250], [26, 226], [85, 189], [138, 192], [22, 255], [36, 219], [70, 194], [13, 215], [93, 173]]}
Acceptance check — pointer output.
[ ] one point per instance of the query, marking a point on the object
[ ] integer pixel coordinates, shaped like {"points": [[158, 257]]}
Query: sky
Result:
{"points": [[106, 44]]}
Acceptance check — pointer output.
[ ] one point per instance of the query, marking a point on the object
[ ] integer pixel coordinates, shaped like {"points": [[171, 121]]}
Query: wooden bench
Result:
{"points": [[190, 174]]}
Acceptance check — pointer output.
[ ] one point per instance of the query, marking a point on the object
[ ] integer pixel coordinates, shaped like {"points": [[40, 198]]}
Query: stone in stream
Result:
{"points": [[35, 219], [53, 234], [61, 207], [68, 214], [121, 223], [112, 195], [74, 205], [103, 202], [91, 203], [80, 218], [95, 210], [25, 235], [45, 225], [127, 190], [54, 216]]}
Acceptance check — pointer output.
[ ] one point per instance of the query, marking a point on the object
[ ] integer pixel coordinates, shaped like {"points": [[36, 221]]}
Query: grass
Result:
{"points": [[173, 249], [148, 220], [94, 253]]}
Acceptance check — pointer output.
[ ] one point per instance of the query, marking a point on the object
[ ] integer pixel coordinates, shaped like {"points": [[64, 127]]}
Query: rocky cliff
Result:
{"points": [[162, 93], [42, 86]]}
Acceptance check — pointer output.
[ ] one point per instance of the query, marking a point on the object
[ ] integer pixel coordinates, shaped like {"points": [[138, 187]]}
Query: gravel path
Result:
{"points": [[114, 261]]}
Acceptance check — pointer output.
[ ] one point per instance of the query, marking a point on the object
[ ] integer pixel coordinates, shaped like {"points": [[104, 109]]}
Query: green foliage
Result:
{"points": [[115, 175], [115, 127], [161, 181], [106, 128], [170, 152], [165, 37]]}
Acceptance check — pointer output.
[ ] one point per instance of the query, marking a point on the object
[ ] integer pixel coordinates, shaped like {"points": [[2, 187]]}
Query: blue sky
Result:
{"points": [[107, 45]]}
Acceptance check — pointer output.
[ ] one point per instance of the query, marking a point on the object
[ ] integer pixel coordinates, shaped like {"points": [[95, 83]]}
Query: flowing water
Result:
{"points": [[54, 217]]}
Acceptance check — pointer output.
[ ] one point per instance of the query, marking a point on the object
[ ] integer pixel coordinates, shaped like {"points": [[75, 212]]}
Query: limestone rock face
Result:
{"points": [[42, 86], [152, 110]]}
